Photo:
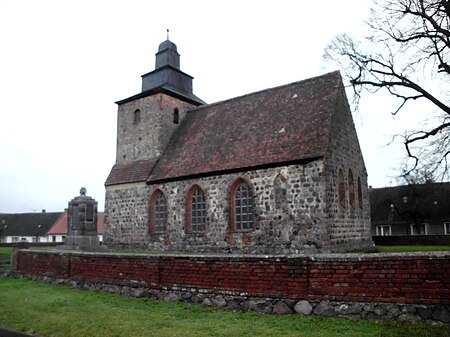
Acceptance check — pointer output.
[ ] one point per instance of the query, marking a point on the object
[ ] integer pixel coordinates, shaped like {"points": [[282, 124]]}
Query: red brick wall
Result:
{"points": [[410, 279]]}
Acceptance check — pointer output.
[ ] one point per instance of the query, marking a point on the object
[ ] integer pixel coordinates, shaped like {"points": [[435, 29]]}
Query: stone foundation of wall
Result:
{"points": [[405, 287]]}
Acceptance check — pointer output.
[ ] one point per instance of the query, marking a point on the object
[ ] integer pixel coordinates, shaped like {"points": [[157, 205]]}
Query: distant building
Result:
{"points": [[276, 171], [38, 227], [419, 209], [58, 232], [26, 227]]}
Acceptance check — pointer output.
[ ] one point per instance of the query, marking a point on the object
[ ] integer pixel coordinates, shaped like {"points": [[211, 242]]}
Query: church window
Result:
{"points": [[351, 190], [176, 116], [341, 189], [137, 117], [158, 212], [280, 191], [195, 210], [360, 198], [241, 206]]}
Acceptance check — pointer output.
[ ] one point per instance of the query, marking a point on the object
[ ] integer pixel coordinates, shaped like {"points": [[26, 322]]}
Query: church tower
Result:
{"points": [[147, 120], [145, 124]]}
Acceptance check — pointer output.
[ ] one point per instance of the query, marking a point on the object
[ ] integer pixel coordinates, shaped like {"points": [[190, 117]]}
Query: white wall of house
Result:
{"points": [[13, 239]]}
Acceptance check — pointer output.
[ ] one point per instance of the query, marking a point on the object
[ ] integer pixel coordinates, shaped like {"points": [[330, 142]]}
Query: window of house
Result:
{"points": [[158, 212], [137, 116], [341, 189], [15, 239], [241, 200], [447, 228], [351, 189], [419, 229], [195, 210], [383, 230], [360, 199]]}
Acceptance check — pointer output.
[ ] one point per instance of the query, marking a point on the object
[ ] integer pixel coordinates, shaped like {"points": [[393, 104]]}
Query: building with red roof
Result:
{"points": [[276, 171], [58, 231]]}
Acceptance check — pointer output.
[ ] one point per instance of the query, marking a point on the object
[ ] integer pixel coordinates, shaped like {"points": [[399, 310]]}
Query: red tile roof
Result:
{"points": [[274, 126], [60, 225], [130, 172]]}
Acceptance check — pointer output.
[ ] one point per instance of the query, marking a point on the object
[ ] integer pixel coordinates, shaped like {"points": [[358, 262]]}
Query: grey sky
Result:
{"points": [[64, 64]]}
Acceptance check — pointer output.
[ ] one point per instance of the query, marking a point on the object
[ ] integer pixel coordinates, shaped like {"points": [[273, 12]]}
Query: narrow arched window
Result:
{"points": [[195, 210], [137, 116], [241, 202], [176, 116], [158, 212], [360, 197], [341, 189], [280, 191], [351, 189]]}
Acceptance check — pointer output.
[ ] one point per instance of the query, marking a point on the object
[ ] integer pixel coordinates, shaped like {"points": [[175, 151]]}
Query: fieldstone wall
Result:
{"points": [[148, 137], [126, 215], [349, 226], [298, 223]]}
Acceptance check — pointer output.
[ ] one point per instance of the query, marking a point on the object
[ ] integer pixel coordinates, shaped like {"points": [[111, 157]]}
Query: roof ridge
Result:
{"points": [[315, 78]]}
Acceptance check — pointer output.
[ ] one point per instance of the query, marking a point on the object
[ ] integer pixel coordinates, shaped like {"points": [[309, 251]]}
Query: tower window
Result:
{"points": [[137, 117], [176, 116]]}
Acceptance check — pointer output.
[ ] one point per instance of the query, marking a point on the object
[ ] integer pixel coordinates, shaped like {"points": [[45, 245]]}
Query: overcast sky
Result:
{"points": [[63, 64]]}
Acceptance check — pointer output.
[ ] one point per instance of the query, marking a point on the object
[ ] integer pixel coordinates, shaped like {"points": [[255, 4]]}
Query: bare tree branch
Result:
{"points": [[411, 40]]}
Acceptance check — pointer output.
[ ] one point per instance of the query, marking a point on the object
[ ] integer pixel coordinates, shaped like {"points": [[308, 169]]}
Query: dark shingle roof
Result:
{"points": [[130, 172], [427, 201], [274, 126], [27, 224]]}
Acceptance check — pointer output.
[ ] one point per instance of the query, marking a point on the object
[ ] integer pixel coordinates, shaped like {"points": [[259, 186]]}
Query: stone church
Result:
{"points": [[277, 171]]}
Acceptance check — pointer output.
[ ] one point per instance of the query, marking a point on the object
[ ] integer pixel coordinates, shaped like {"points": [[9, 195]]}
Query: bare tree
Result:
{"points": [[408, 55]]}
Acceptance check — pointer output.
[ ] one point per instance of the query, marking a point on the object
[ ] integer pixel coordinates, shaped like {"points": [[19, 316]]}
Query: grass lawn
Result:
{"points": [[402, 249], [6, 251], [62, 311]]}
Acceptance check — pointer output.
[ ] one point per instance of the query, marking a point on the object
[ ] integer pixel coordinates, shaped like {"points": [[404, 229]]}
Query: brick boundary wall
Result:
{"points": [[400, 286]]}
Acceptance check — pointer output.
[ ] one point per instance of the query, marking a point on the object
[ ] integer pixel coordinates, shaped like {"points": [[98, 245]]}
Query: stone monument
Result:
{"points": [[82, 224]]}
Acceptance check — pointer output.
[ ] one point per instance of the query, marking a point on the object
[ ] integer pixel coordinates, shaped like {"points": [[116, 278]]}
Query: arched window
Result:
{"points": [[158, 212], [195, 210], [241, 206], [341, 189], [280, 191], [360, 198], [351, 189], [137, 116]]}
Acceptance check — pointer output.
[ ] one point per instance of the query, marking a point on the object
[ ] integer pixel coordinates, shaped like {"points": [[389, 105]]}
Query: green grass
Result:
{"points": [[6, 251], [5, 257], [405, 249], [62, 311]]}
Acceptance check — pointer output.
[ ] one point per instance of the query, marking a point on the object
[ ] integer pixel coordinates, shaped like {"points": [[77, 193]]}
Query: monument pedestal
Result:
{"points": [[82, 224]]}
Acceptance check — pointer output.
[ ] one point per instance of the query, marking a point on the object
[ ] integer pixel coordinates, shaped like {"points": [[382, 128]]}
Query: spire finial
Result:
{"points": [[167, 34]]}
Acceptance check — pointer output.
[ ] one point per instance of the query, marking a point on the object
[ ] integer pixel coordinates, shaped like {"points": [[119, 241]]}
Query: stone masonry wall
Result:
{"points": [[149, 137], [297, 224], [349, 226], [383, 286], [126, 215]]}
